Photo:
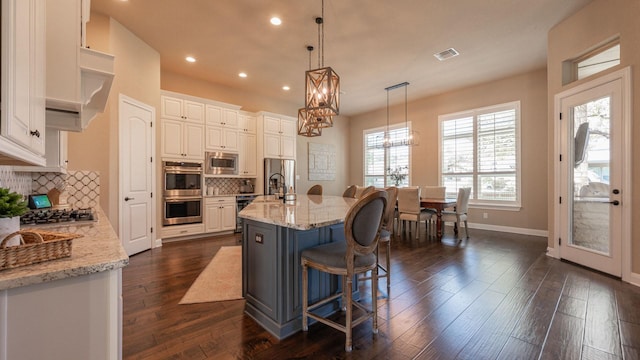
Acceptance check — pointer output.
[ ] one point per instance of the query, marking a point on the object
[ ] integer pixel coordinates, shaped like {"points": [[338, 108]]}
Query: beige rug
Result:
{"points": [[221, 280]]}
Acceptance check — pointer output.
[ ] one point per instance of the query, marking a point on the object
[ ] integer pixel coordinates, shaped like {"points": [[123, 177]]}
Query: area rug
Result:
{"points": [[221, 280]]}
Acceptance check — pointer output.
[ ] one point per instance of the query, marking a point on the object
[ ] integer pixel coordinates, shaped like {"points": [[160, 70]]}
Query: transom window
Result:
{"points": [[480, 149], [382, 162]]}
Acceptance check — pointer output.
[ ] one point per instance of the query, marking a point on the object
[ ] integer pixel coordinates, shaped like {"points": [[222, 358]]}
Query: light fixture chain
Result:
{"points": [[322, 26]]}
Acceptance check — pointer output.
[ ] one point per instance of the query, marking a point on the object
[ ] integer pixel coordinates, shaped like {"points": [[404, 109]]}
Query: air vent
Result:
{"points": [[447, 54]]}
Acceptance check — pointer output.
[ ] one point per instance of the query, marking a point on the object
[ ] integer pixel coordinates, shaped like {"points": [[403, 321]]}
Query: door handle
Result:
{"points": [[614, 202], [128, 198]]}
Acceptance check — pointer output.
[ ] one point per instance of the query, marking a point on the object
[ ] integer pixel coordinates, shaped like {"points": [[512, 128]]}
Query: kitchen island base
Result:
{"points": [[272, 275]]}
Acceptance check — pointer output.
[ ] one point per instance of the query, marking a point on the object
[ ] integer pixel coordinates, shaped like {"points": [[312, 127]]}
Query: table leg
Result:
{"points": [[439, 224]]}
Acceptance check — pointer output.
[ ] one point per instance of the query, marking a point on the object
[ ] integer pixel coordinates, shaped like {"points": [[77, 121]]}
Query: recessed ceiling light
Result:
{"points": [[242, 75], [286, 88], [190, 59], [276, 21], [447, 54]]}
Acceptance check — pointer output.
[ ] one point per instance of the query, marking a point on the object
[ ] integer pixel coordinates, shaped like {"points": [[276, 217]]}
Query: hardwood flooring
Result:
{"points": [[495, 296]]}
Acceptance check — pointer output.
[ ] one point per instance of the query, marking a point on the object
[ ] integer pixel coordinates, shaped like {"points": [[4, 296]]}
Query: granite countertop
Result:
{"points": [[98, 250], [227, 195], [307, 212]]}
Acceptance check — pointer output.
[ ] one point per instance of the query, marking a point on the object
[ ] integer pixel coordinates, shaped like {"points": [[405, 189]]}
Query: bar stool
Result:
{"points": [[315, 190], [354, 256]]}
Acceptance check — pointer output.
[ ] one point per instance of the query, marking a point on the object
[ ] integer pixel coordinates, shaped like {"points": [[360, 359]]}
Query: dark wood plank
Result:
{"points": [[448, 299]]}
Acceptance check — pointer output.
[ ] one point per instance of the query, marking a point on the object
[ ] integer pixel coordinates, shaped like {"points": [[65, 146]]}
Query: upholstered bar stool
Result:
{"points": [[350, 192], [356, 255]]}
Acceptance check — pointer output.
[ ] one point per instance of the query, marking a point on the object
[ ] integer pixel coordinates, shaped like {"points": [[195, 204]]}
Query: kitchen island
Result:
{"points": [[274, 235], [70, 308]]}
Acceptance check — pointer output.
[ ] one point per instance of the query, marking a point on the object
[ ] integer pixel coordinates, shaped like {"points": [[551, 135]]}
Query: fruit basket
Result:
{"points": [[35, 246]]}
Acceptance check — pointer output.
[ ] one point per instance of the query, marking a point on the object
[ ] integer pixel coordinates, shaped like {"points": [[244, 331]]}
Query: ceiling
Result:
{"points": [[370, 47]]}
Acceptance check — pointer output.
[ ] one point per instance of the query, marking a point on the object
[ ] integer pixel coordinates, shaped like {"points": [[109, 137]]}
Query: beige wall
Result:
{"points": [[594, 24], [530, 88], [137, 69], [337, 135]]}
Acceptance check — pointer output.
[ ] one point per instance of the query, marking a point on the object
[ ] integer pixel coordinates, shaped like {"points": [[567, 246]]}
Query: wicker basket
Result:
{"points": [[35, 246]]}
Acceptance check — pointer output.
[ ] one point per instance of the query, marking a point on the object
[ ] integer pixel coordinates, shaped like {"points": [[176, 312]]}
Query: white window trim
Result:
{"points": [[481, 204], [365, 132]]}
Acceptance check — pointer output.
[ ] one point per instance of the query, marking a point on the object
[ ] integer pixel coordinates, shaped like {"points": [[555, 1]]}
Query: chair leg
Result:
{"points": [[466, 228], [388, 268], [305, 300], [374, 297], [417, 228], [347, 291]]}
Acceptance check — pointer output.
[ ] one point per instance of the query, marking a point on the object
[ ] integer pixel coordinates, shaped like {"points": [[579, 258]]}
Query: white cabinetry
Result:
{"points": [[22, 130], [181, 109], [247, 158], [55, 154], [182, 128], [247, 123], [181, 230], [182, 140], [279, 136], [221, 129], [220, 214]]}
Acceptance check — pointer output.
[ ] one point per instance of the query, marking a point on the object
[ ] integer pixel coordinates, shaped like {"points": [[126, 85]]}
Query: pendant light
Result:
{"points": [[310, 124], [322, 85], [411, 137]]}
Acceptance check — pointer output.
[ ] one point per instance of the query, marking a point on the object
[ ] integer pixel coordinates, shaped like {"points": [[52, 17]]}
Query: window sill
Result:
{"points": [[504, 207]]}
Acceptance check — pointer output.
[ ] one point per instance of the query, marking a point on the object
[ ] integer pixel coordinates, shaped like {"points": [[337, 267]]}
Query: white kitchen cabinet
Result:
{"points": [[22, 120], [220, 213], [247, 158], [221, 132], [219, 116], [279, 137], [182, 140], [247, 123], [181, 230], [55, 154], [181, 109], [74, 318]]}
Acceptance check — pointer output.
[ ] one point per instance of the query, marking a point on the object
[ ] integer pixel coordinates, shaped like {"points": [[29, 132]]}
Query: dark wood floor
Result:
{"points": [[495, 296]]}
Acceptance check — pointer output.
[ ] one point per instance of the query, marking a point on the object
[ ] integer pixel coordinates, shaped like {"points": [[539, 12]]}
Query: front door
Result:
{"points": [[136, 175], [592, 182]]}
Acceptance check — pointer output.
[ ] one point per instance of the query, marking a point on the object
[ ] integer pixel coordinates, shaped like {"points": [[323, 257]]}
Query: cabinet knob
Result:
{"points": [[35, 133]]}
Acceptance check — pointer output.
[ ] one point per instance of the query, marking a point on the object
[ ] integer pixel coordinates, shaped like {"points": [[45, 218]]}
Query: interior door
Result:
{"points": [[137, 177], [593, 176]]}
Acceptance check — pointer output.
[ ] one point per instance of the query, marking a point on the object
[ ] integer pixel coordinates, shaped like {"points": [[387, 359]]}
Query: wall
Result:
{"points": [[529, 88], [593, 25], [337, 135], [137, 69]]}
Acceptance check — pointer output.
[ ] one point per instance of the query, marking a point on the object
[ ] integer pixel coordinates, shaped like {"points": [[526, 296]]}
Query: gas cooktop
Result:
{"points": [[50, 216]]}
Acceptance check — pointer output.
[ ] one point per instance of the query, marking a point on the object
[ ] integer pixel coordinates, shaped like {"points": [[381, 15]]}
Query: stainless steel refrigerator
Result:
{"points": [[279, 174]]}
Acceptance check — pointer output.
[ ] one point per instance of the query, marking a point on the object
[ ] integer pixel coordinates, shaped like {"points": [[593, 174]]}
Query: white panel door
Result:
{"points": [[136, 175]]}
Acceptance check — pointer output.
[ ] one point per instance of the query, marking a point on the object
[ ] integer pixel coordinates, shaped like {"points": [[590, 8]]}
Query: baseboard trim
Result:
{"points": [[157, 243], [552, 252], [632, 278], [510, 229]]}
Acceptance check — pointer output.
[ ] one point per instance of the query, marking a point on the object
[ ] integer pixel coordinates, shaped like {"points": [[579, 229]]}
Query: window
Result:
{"points": [[380, 161], [592, 62], [480, 149]]}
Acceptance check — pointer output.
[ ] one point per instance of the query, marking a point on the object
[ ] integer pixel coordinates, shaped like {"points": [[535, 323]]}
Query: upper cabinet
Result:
{"points": [[279, 136], [222, 129], [22, 119], [182, 128], [182, 109], [78, 79], [247, 123]]}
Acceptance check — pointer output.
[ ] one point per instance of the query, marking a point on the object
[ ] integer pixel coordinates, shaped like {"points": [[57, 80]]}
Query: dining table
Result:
{"points": [[438, 205]]}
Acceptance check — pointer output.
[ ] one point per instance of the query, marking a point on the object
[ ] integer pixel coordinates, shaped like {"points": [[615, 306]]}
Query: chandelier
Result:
{"points": [[322, 85], [310, 124], [393, 138]]}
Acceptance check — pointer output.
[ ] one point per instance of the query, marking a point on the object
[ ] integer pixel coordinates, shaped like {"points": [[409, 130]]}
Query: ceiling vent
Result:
{"points": [[447, 54]]}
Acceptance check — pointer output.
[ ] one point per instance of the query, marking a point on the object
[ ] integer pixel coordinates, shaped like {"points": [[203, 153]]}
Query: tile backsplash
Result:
{"points": [[227, 185], [82, 187], [19, 182]]}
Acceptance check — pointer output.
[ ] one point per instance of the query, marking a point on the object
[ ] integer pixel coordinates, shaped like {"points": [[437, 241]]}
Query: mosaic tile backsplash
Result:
{"points": [[82, 187], [227, 185], [19, 182]]}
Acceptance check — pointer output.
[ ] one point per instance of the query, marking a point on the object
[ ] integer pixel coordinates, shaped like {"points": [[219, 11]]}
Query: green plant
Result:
{"points": [[398, 174], [11, 204]]}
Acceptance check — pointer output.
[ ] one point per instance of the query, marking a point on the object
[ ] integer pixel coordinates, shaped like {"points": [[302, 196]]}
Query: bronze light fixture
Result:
{"points": [[322, 85]]}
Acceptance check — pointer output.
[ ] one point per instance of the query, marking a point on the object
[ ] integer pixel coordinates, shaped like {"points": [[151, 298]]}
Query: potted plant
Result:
{"points": [[398, 174], [12, 206]]}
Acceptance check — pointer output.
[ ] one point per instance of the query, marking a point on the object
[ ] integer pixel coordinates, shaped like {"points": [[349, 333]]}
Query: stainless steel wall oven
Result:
{"points": [[182, 193]]}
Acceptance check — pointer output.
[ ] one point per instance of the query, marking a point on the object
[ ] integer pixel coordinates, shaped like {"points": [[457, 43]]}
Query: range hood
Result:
{"points": [[95, 77]]}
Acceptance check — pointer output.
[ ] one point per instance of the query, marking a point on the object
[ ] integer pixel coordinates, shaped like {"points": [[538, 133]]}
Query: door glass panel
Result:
{"points": [[591, 159]]}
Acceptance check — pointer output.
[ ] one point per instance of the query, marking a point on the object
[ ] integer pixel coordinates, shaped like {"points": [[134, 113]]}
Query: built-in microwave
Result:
{"points": [[220, 163]]}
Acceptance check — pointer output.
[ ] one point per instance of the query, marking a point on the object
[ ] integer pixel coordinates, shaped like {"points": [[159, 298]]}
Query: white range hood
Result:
{"points": [[78, 78], [96, 76]]}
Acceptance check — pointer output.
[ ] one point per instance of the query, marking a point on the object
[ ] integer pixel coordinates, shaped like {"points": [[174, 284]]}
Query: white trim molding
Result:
{"points": [[510, 229]]}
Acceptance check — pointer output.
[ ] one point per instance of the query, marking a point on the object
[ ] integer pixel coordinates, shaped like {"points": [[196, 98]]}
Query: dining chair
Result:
{"points": [[409, 209], [355, 255], [432, 192], [350, 192], [315, 190], [460, 211]]}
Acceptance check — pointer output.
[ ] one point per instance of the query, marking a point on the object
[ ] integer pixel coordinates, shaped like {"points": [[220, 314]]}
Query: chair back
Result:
{"points": [[363, 222], [315, 190], [366, 191], [390, 210], [462, 202], [433, 192], [350, 192], [409, 200]]}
